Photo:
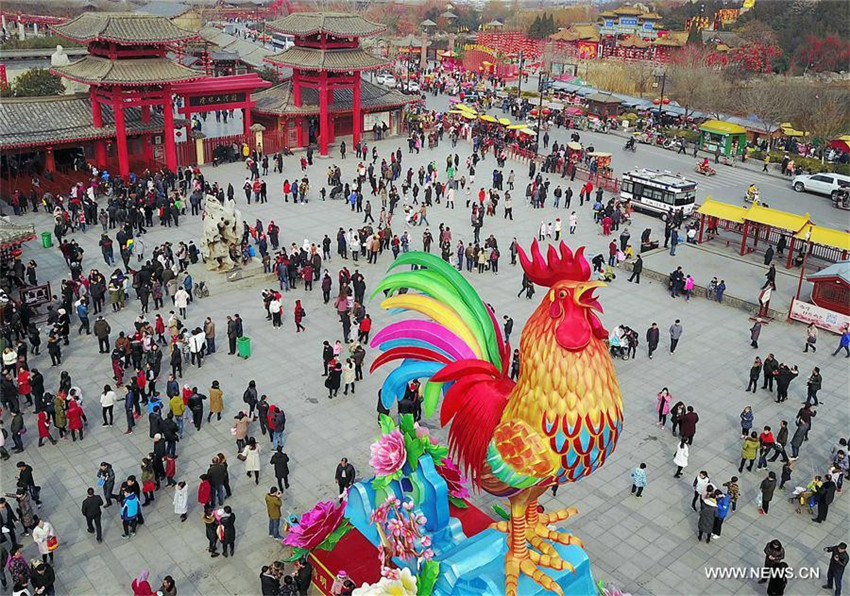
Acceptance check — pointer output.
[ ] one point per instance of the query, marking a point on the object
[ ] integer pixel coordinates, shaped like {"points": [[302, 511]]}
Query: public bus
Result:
{"points": [[281, 41], [658, 192]]}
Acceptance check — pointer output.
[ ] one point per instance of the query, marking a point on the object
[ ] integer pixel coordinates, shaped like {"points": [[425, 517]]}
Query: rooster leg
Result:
{"points": [[521, 559], [535, 522]]}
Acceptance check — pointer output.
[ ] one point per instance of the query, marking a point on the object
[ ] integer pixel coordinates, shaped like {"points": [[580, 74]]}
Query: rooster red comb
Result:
{"points": [[566, 266]]}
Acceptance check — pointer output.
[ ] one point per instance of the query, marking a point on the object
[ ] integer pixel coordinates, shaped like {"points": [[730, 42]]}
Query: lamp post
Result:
{"points": [[661, 72], [409, 50], [519, 81], [541, 87]]}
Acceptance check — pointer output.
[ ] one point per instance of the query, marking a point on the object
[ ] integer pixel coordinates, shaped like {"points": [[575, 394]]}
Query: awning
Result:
{"points": [[723, 211], [573, 146], [824, 237], [776, 218], [721, 127]]}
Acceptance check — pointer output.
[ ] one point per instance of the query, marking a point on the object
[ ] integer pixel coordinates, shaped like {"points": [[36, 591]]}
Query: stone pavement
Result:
{"points": [[645, 546]]}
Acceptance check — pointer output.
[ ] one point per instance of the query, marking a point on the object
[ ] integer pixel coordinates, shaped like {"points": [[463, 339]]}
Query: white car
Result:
{"points": [[412, 86], [822, 184], [390, 81]]}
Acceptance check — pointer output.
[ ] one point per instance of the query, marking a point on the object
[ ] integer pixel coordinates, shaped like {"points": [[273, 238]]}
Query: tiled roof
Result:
{"points": [[169, 10], [123, 28], [628, 10], [277, 100], [331, 60], [576, 33], [340, 24], [40, 121], [603, 98], [250, 53], [635, 41], [94, 70]]}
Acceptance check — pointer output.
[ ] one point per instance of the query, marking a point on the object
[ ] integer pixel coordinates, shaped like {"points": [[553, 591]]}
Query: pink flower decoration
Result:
{"points": [[315, 525], [454, 478], [388, 454]]}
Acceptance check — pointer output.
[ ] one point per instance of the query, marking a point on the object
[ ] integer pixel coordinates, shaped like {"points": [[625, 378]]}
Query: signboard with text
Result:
{"points": [[215, 99], [821, 317]]}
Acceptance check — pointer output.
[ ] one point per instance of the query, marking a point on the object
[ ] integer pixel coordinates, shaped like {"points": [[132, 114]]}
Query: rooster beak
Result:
{"points": [[585, 287]]}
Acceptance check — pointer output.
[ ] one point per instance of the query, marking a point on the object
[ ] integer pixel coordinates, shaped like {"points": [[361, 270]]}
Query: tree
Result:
{"points": [[38, 82], [829, 54], [758, 31], [534, 28], [692, 81], [767, 100], [694, 35], [820, 111]]}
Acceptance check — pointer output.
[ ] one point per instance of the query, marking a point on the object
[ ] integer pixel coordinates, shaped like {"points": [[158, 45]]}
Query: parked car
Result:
{"points": [[822, 184], [381, 78], [412, 86], [389, 80]]}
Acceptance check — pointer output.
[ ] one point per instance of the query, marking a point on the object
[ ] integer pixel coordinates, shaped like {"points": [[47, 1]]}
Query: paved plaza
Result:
{"points": [[644, 546]]}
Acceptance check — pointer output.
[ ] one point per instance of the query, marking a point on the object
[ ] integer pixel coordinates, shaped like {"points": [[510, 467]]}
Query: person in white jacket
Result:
{"points": [[41, 534], [181, 500], [251, 456], [107, 404], [681, 458], [181, 300]]}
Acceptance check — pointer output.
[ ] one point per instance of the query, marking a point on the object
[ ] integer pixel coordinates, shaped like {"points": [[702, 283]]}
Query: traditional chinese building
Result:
{"points": [[629, 20], [326, 95], [126, 68]]}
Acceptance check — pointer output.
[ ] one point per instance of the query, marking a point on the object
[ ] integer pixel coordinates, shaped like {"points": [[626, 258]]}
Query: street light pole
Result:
{"points": [[519, 81], [541, 86]]}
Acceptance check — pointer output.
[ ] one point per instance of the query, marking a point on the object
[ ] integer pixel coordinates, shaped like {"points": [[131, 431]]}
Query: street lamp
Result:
{"points": [[661, 72], [541, 87]]}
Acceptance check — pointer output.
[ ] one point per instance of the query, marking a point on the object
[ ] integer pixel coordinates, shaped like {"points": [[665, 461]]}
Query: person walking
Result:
{"points": [[767, 488], [755, 331], [91, 511], [700, 484], [181, 500], [637, 267], [228, 533], [837, 562], [681, 458], [344, 475], [273, 504], [639, 480], [813, 385], [675, 335], [653, 335], [280, 461], [251, 456], [755, 373], [749, 452], [811, 338], [843, 343], [662, 406], [45, 539], [106, 481]]}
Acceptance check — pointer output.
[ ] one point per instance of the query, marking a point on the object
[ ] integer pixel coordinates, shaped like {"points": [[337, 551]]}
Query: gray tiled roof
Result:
{"points": [[122, 28], [340, 24], [333, 60], [169, 10], [94, 70], [277, 100], [40, 121]]}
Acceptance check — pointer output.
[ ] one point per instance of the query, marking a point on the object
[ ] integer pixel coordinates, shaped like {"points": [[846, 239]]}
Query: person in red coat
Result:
{"points": [[364, 329], [204, 491], [24, 387], [298, 315], [44, 429], [75, 419]]}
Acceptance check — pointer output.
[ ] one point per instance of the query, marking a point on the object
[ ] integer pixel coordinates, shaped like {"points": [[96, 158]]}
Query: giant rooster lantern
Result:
{"points": [[556, 424]]}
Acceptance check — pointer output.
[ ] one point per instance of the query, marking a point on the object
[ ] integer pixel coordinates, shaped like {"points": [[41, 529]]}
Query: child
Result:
{"points": [[639, 480], [786, 473], [733, 491]]}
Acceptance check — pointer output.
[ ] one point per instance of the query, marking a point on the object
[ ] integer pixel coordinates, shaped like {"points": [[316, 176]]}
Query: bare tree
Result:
{"points": [[767, 100], [821, 112]]}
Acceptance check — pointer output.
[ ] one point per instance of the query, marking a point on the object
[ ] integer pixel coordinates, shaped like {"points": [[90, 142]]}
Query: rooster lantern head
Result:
{"points": [[571, 303]]}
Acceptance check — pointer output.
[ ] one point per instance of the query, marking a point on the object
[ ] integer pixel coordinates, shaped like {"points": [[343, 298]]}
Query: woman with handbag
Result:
{"points": [[251, 456], [44, 537], [811, 338]]}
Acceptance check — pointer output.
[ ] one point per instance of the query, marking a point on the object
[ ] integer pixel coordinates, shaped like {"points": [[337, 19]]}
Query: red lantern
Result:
{"points": [[665, 101], [533, 112], [546, 111], [656, 102], [179, 133]]}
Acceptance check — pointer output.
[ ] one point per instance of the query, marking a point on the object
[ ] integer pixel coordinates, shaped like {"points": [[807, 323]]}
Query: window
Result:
{"points": [[685, 198], [627, 186], [639, 191], [820, 178]]}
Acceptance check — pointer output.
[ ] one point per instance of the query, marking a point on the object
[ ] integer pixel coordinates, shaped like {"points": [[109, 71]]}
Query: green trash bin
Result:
{"points": [[243, 347], [46, 239]]}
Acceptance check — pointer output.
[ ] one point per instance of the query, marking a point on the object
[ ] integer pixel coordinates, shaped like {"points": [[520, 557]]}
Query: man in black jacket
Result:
{"points": [[653, 335], [770, 368], [280, 461], [303, 575], [91, 511], [825, 494], [781, 441], [344, 475], [7, 523], [636, 269]]}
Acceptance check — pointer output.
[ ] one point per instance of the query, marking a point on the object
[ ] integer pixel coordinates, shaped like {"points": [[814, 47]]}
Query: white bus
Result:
{"points": [[281, 41], [658, 192]]}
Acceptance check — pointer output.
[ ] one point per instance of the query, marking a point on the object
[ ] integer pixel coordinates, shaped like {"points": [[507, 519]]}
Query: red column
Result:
{"points": [[168, 132], [744, 237], [296, 88], [299, 132], [246, 120], [324, 125], [701, 227], [49, 160], [121, 140], [97, 121], [356, 115], [790, 253]]}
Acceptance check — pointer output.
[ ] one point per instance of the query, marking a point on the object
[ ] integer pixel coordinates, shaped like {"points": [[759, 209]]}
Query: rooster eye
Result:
{"points": [[562, 294]]}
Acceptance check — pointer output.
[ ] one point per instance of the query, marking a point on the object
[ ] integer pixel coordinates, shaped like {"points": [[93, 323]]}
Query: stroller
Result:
{"points": [[336, 192]]}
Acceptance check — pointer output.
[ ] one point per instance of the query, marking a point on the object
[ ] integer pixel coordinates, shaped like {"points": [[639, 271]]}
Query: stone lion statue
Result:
{"points": [[221, 234]]}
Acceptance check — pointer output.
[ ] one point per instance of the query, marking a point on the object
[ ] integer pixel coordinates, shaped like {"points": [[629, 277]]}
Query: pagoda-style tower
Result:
{"points": [[327, 57], [127, 68]]}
